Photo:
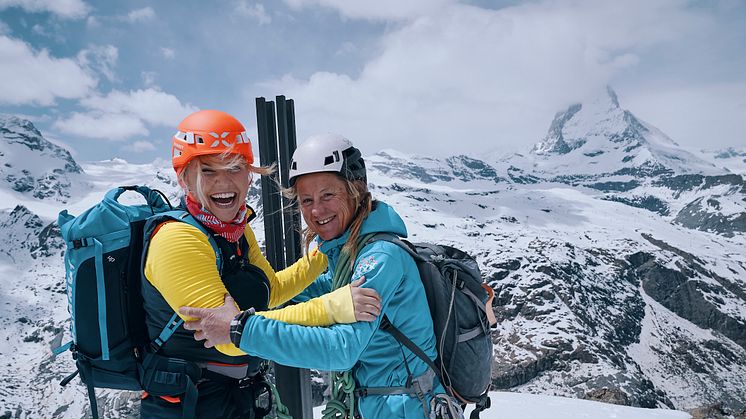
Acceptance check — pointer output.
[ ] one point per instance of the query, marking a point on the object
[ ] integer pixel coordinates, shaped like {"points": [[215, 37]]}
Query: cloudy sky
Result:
{"points": [[433, 77]]}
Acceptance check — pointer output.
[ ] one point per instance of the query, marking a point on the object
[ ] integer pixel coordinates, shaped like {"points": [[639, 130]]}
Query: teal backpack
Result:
{"points": [[103, 265]]}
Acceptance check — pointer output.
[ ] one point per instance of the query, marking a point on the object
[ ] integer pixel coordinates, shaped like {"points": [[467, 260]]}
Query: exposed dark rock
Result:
{"points": [[608, 395], [468, 169], [647, 202], [555, 139], [645, 170], [685, 296], [615, 186], [703, 214], [594, 154], [516, 175], [716, 411]]}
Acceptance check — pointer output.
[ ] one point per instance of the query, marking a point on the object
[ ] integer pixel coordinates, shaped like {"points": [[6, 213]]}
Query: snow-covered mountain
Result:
{"points": [[31, 165], [601, 138], [619, 281]]}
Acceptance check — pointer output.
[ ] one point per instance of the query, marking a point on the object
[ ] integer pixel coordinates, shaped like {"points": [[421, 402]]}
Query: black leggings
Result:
{"points": [[223, 398]]}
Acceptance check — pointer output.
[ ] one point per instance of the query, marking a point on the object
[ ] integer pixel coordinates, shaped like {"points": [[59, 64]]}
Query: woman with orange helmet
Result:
{"points": [[212, 157]]}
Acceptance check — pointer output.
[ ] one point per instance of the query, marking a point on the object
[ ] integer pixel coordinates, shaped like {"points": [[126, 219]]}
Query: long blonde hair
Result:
{"points": [[228, 160], [357, 191]]}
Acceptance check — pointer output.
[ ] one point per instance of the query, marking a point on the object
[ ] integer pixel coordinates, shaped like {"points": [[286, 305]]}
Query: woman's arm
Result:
{"points": [[328, 308], [333, 348], [180, 264], [290, 281]]}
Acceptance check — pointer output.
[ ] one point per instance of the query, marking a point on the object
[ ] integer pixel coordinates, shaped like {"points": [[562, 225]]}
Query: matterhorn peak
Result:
{"points": [[601, 137]]}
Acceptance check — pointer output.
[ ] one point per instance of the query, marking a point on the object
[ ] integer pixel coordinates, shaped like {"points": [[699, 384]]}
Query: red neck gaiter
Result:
{"points": [[231, 231]]}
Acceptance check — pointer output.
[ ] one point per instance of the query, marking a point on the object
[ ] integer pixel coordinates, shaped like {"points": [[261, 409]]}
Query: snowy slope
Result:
{"points": [[532, 406]]}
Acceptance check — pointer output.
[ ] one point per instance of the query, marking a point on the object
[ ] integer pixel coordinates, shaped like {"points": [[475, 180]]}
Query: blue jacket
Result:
{"points": [[375, 354]]}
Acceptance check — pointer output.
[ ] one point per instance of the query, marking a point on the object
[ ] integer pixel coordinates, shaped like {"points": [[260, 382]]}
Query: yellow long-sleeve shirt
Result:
{"points": [[181, 265]]}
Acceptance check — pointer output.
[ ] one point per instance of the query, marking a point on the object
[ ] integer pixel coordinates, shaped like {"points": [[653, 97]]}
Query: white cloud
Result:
{"points": [[140, 15], [100, 58], [92, 22], [121, 115], [35, 77], [69, 9], [150, 105], [142, 146], [255, 11], [698, 116], [148, 78], [102, 125], [39, 30], [376, 10], [346, 48], [168, 53], [463, 79]]}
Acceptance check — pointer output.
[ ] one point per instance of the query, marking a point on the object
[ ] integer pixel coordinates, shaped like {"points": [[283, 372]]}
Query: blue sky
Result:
{"points": [[436, 77]]}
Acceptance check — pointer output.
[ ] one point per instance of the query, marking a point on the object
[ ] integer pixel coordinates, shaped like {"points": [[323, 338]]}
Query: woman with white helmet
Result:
{"points": [[212, 157], [328, 179]]}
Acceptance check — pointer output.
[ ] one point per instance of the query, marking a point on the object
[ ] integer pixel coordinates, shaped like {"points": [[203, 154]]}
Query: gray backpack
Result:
{"points": [[461, 307]]}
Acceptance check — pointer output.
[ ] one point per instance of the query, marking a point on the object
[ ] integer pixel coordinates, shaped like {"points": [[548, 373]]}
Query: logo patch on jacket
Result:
{"points": [[364, 266]]}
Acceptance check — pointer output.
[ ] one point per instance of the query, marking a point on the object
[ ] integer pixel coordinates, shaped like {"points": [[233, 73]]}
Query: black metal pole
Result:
{"points": [[271, 203], [286, 137], [293, 384]]}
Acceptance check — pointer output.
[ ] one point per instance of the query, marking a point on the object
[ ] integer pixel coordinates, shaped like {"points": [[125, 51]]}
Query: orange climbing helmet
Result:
{"points": [[209, 132]]}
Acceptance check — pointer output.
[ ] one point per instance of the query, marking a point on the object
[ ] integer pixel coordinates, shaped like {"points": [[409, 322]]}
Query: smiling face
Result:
{"points": [[220, 183], [325, 204]]}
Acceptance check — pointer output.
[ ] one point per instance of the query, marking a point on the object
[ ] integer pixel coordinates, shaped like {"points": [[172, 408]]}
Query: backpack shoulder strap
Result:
{"points": [[386, 326], [393, 238], [152, 224]]}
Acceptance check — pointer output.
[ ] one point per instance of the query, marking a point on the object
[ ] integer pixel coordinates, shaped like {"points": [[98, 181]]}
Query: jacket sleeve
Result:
{"points": [[319, 287], [337, 347], [290, 281]]}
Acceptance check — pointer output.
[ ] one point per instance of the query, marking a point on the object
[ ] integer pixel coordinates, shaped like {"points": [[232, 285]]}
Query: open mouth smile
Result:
{"points": [[225, 199]]}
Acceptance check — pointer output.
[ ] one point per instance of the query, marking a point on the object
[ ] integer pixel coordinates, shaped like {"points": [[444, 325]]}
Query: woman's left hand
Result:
{"points": [[365, 301], [213, 325]]}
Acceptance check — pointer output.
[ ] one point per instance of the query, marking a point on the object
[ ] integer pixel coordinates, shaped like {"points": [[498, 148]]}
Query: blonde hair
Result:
{"points": [[228, 160], [357, 191]]}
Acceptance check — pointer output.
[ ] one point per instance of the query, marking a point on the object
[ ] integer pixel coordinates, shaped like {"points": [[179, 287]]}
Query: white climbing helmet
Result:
{"points": [[327, 153]]}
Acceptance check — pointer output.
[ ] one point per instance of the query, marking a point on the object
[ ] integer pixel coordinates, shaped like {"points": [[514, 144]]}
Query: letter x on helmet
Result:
{"points": [[327, 153], [209, 132]]}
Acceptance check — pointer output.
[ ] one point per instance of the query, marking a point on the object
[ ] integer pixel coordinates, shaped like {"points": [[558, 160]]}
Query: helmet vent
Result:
{"points": [[328, 160], [199, 139], [293, 166]]}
